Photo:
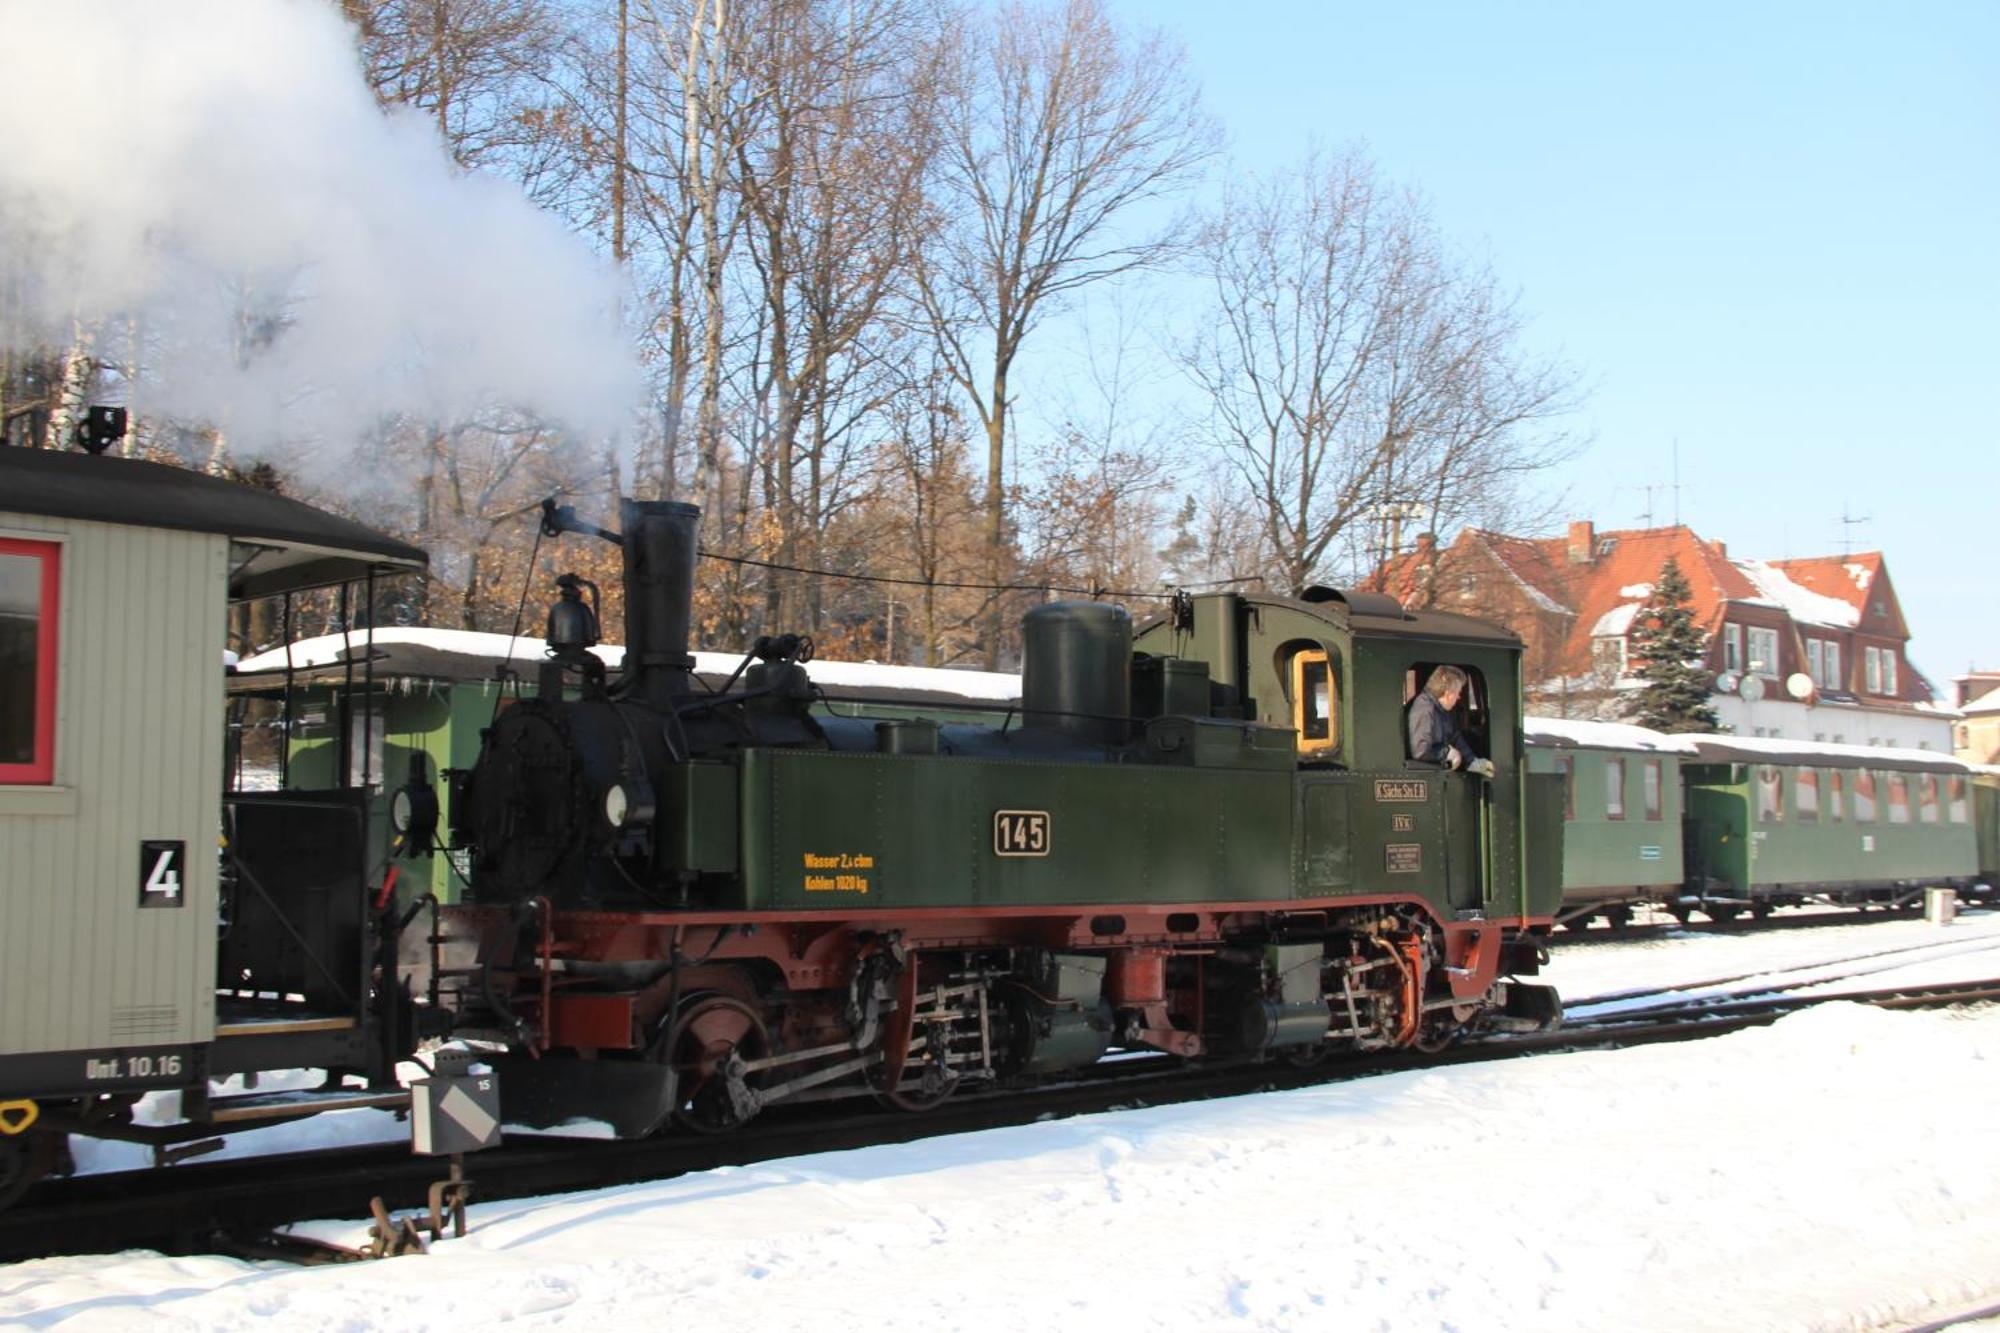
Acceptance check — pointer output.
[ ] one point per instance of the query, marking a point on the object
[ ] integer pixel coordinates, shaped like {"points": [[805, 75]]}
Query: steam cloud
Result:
{"points": [[187, 165]]}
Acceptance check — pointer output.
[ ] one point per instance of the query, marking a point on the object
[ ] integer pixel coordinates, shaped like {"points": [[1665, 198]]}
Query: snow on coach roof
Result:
{"points": [[1777, 749], [295, 545], [1564, 733], [445, 654]]}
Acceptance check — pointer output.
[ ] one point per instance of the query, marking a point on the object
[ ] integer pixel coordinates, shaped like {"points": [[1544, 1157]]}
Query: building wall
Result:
{"points": [[139, 710], [1978, 738], [1848, 724]]}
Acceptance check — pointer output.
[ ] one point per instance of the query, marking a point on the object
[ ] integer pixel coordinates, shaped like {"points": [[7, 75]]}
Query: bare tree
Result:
{"points": [[830, 174], [1354, 372], [1057, 127], [479, 69]]}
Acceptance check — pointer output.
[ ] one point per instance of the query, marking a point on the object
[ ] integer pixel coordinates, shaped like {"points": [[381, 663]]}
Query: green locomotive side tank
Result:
{"points": [[1085, 804]]}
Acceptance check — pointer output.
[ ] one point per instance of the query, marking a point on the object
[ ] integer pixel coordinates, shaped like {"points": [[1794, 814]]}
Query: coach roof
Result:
{"points": [[284, 545]]}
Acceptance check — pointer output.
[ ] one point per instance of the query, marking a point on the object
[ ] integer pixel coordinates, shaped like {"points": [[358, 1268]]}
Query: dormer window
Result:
{"points": [[1607, 653], [1763, 651], [1879, 670]]}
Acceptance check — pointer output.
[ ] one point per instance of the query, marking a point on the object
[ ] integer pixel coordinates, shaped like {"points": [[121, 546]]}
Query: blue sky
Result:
{"points": [[1770, 231]]}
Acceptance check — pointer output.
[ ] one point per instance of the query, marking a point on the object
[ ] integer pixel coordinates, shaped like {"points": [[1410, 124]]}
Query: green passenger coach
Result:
{"points": [[1775, 822], [1621, 813]]}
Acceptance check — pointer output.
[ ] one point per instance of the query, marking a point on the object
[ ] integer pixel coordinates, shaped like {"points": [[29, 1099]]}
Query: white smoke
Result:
{"points": [[216, 174]]}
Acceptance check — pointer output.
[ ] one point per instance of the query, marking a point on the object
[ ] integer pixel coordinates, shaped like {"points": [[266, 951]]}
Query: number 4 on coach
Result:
{"points": [[160, 877]]}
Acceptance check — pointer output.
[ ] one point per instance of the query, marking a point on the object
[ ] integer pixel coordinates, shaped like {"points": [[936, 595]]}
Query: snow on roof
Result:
{"points": [[331, 649], [1801, 603], [1861, 574], [1636, 590], [1570, 732], [1988, 702], [1618, 620]]}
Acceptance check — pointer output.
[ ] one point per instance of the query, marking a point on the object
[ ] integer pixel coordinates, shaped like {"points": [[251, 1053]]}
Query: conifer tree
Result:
{"points": [[1670, 650]]}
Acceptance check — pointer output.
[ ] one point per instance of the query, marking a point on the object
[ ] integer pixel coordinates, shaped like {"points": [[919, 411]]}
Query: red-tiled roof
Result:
{"points": [[1845, 577], [1618, 571]]}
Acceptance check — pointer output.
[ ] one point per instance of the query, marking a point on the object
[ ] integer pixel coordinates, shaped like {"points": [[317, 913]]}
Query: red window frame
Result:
{"points": [[40, 770]]}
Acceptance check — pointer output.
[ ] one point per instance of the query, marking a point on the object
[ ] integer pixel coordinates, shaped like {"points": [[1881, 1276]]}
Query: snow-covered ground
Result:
{"points": [[1837, 1170]]}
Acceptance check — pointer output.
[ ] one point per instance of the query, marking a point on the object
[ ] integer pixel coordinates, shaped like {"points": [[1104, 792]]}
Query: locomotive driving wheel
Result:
{"points": [[707, 1047], [926, 1081]]}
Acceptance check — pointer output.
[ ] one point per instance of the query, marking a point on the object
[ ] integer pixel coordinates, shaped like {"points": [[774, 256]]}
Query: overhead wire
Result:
{"points": [[1094, 591]]}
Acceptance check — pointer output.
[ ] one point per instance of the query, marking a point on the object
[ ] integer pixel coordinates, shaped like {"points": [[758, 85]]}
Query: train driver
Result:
{"points": [[1435, 736]]}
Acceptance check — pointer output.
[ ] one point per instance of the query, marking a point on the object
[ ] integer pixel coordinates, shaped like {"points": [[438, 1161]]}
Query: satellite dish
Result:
{"points": [[1799, 685], [1727, 682], [1752, 689]]}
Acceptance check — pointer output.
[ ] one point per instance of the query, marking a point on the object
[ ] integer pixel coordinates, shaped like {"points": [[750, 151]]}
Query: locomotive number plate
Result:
{"points": [[1402, 789], [1020, 833], [1403, 858]]}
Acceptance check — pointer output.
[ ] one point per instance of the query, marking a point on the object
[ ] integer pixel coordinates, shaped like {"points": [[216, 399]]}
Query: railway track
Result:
{"points": [[1667, 926], [242, 1206], [1771, 980]]}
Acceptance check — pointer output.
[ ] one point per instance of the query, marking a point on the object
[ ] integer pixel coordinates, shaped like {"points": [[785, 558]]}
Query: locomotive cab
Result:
{"points": [[1341, 670]]}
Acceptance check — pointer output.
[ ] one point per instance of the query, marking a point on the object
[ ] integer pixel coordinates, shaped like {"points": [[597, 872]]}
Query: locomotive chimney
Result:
{"points": [[660, 553]]}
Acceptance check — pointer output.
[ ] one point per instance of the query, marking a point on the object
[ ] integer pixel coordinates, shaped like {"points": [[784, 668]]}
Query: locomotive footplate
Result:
{"points": [[635, 1097]]}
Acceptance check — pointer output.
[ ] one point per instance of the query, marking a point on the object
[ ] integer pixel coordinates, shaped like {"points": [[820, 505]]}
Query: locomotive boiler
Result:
{"points": [[1202, 837]]}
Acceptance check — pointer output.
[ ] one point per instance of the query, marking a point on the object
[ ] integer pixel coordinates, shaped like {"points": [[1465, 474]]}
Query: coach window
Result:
{"points": [[1927, 798], [1566, 765], [1864, 796], [1835, 796], [1805, 794], [1770, 794], [1315, 702], [1614, 788], [1899, 798], [1652, 788], [28, 581], [1960, 812]]}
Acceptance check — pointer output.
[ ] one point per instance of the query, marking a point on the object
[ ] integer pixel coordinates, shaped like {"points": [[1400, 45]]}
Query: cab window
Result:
{"points": [[1315, 702], [1474, 711]]}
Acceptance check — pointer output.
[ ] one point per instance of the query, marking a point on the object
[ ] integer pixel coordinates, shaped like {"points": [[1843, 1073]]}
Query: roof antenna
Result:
{"points": [[1677, 481], [1848, 523]]}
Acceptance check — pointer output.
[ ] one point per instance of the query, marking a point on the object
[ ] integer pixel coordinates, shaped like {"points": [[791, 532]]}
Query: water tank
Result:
{"points": [[1076, 670]]}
